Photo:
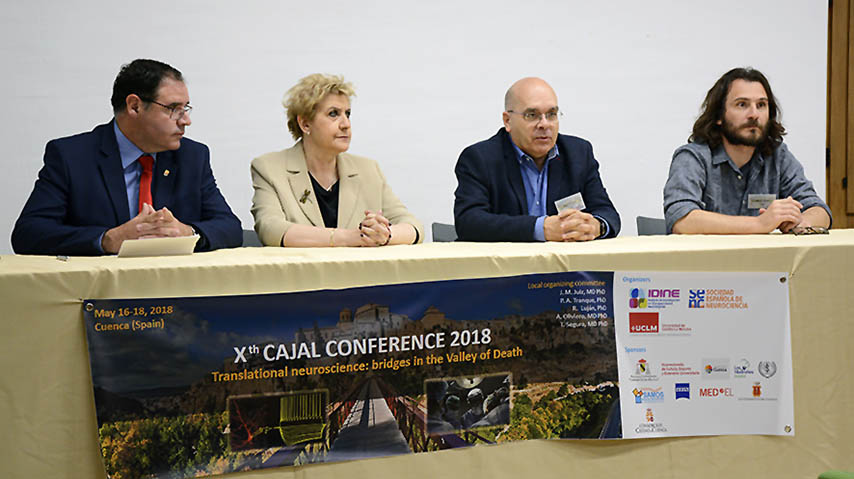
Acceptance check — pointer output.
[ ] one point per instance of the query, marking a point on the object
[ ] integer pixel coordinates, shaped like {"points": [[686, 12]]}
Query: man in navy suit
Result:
{"points": [[508, 184], [134, 177]]}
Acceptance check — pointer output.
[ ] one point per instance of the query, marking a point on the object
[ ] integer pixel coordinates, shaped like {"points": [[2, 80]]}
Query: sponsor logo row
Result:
{"points": [[710, 368], [684, 391], [659, 298]]}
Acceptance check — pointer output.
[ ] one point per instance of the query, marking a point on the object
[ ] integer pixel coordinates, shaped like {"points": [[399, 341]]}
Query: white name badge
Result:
{"points": [[575, 202], [756, 200]]}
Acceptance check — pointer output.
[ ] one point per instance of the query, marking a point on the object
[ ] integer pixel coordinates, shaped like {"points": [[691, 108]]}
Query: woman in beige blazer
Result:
{"points": [[315, 194]]}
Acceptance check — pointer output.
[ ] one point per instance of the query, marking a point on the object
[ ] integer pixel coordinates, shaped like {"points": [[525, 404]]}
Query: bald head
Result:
{"points": [[531, 117], [525, 88]]}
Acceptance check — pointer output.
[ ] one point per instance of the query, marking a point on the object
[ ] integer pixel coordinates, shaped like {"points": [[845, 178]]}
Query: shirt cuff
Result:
{"points": [[607, 227], [678, 210], [98, 242], [539, 234]]}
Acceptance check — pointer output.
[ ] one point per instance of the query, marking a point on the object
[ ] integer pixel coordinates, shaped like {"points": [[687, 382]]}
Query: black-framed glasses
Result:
{"points": [[532, 116], [809, 230], [176, 112]]}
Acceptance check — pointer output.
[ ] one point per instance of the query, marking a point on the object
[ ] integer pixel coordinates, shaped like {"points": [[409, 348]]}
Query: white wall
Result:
{"points": [[430, 79]]}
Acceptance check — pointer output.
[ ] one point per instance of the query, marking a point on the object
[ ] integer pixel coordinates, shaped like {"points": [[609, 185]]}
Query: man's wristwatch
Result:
{"points": [[603, 228]]}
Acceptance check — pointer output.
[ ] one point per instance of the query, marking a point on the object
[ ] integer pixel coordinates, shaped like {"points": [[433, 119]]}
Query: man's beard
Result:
{"points": [[734, 137]]}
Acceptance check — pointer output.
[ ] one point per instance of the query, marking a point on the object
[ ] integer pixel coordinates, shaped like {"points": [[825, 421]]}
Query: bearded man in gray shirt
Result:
{"points": [[736, 176]]}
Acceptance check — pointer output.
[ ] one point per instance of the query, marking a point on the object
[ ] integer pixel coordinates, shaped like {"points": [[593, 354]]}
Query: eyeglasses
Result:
{"points": [[809, 230], [176, 112], [532, 116]]}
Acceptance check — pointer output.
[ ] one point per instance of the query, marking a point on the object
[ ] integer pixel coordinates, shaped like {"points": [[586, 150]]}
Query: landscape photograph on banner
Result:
{"points": [[189, 387]]}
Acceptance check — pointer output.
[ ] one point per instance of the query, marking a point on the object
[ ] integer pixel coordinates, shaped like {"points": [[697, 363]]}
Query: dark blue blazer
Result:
{"points": [[490, 202], [80, 193]]}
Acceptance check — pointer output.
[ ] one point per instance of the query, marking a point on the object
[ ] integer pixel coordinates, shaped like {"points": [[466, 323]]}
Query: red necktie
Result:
{"points": [[147, 163]]}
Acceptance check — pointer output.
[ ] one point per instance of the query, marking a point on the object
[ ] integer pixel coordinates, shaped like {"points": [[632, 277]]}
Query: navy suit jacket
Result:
{"points": [[80, 193], [490, 202]]}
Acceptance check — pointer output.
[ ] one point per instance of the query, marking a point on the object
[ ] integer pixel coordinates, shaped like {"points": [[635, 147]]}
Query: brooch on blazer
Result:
{"points": [[304, 196]]}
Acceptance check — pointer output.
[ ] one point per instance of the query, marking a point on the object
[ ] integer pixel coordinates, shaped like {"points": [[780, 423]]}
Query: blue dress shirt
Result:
{"points": [[130, 154], [536, 182]]}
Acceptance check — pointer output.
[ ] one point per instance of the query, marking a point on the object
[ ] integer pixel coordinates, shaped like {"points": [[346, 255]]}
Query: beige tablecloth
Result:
{"points": [[48, 416]]}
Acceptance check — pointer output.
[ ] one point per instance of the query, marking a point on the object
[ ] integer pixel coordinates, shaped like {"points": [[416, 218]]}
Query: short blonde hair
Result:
{"points": [[302, 98]]}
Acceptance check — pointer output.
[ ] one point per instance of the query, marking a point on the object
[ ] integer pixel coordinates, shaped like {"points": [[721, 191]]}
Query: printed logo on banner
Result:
{"points": [[643, 323], [683, 391], [648, 395], [643, 371], [653, 298], [676, 329], [642, 368], [742, 369], [637, 298], [650, 425], [722, 298], [757, 392], [767, 368], [678, 369], [715, 368], [721, 392], [696, 298]]}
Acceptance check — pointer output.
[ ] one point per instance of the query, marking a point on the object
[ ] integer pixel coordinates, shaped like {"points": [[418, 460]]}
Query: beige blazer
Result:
{"points": [[281, 180]]}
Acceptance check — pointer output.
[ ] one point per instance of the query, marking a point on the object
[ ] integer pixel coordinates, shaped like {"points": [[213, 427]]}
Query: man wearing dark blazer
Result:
{"points": [[134, 177], [507, 185]]}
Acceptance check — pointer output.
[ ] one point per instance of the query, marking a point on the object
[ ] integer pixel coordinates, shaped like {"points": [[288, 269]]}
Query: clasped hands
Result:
{"points": [[571, 225], [149, 223], [783, 214], [374, 229]]}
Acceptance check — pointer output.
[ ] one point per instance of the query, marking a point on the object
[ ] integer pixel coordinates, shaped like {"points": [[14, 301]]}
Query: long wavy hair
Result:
{"points": [[706, 128]]}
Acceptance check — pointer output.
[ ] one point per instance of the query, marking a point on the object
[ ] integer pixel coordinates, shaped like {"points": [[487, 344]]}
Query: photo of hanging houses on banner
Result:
{"points": [[201, 386]]}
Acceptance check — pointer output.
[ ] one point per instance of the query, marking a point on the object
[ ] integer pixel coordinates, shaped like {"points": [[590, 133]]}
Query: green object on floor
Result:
{"points": [[836, 475]]}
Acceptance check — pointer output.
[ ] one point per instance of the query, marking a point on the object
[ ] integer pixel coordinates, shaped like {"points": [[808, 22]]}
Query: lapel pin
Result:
{"points": [[165, 172], [304, 196]]}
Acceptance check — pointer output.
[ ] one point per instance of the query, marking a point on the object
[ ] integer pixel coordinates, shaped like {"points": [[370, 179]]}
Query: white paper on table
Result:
{"points": [[158, 246]]}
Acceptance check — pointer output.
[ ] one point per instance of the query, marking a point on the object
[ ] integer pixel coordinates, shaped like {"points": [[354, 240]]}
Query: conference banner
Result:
{"points": [[704, 354], [189, 387]]}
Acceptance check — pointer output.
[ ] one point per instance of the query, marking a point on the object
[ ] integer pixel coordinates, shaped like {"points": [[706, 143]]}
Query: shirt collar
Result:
{"points": [[719, 155], [521, 156], [127, 150]]}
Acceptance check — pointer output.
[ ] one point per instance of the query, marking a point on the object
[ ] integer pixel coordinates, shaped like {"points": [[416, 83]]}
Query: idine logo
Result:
{"points": [[643, 323], [697, 298], [683, 391], [637, 298]]}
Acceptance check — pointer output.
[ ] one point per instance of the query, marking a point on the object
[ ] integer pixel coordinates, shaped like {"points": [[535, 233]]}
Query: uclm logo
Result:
{"points": [[643, 322]]}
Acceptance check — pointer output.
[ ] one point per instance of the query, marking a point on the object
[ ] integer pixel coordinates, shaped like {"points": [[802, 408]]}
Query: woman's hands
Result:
{"points": [[375, 230]]}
